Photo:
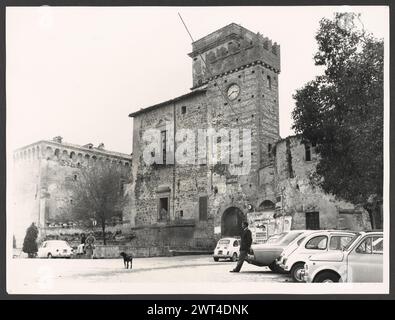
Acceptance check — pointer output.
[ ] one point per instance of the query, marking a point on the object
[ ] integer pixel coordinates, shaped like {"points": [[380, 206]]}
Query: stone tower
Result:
{"points": [[236, 58], [239, 70]]}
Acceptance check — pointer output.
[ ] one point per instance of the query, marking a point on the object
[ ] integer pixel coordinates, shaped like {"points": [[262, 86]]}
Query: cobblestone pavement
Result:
{"points": [[182, 274]]}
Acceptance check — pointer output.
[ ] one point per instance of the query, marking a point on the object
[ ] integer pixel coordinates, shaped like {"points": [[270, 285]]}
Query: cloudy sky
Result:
{"points": [[78, 72]]}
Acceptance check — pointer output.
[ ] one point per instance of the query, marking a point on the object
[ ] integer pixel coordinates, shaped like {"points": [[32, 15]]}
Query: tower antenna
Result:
{"points": [[208, 70]]}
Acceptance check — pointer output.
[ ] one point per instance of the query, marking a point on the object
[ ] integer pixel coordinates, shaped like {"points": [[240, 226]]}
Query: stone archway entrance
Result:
{"points": [[231, 222]]}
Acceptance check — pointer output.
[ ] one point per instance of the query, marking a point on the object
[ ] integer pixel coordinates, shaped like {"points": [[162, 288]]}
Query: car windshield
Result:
{"points": [[223, 241], [289, 237], [351, 242]]}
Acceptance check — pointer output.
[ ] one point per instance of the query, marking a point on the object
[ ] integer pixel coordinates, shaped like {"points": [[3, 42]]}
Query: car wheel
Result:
{"points": [[275, 268], [327, 277], [234, 257], [216, 259], [49, 256], [296, 272]]}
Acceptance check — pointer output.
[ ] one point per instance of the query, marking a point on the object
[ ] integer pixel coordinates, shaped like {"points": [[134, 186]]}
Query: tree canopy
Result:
{"points": [[342, 111], [98, 194]]}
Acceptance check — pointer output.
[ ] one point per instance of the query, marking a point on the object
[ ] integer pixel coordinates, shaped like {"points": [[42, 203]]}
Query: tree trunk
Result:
{"points": [[375, 214], [372, 218]]}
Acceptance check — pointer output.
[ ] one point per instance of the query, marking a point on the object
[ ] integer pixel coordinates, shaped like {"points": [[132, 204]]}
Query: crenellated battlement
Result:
{"points": [[238, 34], [230, 47], [70, 154]]}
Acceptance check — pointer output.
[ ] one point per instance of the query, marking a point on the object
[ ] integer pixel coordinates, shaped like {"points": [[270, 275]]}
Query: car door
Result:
{"points": [[365, 261]]}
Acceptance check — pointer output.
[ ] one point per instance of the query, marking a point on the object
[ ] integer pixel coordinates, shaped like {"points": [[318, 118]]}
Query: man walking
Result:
{"points": [[245, 245]]}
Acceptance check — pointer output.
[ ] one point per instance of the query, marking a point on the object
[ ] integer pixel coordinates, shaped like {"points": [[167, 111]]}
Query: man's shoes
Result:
{"points": [[233, 271]]}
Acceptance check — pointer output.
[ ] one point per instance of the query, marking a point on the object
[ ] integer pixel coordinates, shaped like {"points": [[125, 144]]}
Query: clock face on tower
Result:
{"points": [[233, 91]]}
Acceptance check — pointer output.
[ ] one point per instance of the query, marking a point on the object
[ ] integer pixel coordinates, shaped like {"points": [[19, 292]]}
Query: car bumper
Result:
{"points": [[280, 263], [307, 276], [222, 256], [284, 267]]}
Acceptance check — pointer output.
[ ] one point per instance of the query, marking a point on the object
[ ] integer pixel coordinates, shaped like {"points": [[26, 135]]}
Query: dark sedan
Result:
{"points": [[265, 255]]}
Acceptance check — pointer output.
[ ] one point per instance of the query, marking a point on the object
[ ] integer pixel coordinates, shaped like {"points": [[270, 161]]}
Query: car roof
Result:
{"points": [[331, 231], [370, 232]]}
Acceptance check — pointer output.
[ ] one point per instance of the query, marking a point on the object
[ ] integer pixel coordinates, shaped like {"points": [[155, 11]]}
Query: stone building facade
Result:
{"points": [[235, 86], [41, 183], [304, 201]]}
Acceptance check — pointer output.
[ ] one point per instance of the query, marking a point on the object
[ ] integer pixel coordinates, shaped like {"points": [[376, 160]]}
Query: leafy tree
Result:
{"points": [[98, 194], [342, 112], [30, 241]]}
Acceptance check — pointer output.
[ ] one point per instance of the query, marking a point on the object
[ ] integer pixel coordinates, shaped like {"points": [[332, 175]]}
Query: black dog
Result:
{"points": [[126, 259]]}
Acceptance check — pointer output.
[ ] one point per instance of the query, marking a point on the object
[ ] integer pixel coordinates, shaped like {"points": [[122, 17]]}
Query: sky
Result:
{"points": [[78, 72]]}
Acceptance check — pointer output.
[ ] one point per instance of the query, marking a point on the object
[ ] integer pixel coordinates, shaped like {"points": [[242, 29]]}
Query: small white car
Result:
{"points": [[227, 248], [360, 261], [294, 259], [54, 249]]}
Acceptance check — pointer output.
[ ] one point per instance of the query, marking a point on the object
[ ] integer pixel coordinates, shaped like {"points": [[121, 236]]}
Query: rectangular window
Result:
{"points": [[377, 245], [312, 220], [269, 149], [163, 209], [203, 208], [365, 247], [339, 242], [218, 148], [163, 141], [269, 82], [122, 185], [183, 110], [307, 152]]}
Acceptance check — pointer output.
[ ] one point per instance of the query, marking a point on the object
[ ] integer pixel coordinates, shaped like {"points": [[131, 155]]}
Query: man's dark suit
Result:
{"points": [[245, 245]]}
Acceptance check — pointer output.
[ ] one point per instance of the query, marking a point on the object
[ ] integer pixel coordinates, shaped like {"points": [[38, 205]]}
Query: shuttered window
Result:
{"points": [[203, 208]]}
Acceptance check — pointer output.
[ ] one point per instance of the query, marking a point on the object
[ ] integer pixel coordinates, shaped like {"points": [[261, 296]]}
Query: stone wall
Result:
{"points": [[42, 179], [182, 184], [24, 195], [299, 195], [231, 47], [250, 66]]}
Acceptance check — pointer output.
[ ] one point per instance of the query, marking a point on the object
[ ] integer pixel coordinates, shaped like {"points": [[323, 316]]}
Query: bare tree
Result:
{"points": [[98, 194]]}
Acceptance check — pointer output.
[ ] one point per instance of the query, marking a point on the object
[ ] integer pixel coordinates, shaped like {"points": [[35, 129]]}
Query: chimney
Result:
{"points": [[88, 145], [57, 139], [100, 146]]}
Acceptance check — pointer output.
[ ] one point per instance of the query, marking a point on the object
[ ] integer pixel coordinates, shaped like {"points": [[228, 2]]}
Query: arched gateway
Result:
{"points": [[231, 222]]}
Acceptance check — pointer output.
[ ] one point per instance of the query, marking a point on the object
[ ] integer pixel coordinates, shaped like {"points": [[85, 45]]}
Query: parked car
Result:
{"points": [[294, 259], [273, 238], [227, 248], [55, 249], [360, 261], [265, 254]]}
